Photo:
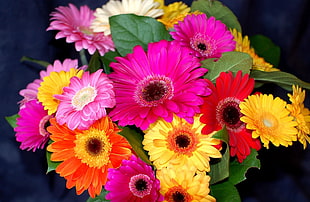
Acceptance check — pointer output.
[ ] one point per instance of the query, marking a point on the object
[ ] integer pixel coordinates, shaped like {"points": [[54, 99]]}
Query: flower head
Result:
{"points": [[221, 108], [207, 37], [85, 100], [74, 25], [269, 120], [157, 83], [31, 126], [86, 155], [53, 85], [134, 180], [116, 7], [301, 114], [184, 184], [243, 45], [180, 143]]}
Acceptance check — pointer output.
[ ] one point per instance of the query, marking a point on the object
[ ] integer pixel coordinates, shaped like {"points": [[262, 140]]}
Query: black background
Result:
{"points": [[284, 173]]}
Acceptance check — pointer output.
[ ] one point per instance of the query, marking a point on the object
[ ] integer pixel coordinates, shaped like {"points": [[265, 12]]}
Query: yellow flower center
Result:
{"points": [[93, 147], [177, 194], [83, 97], [268, 123]]}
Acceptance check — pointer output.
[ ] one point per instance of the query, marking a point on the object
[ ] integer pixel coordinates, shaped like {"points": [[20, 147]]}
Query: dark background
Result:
{"points": [[284, 173]]}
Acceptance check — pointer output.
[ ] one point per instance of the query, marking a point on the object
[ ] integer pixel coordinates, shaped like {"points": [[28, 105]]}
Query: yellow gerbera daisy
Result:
{"points": [[243, 45], [269, 119], [301, 114], [184, 184], [173, 13], [54, 84], [179, 143]]}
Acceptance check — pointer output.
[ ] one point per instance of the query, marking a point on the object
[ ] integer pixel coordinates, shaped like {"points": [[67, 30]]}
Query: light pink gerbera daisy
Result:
{"points": [[134, 180], [74, 25], [31, 91], [31, 126], [85, 100], [207, 37], [158, 83]]}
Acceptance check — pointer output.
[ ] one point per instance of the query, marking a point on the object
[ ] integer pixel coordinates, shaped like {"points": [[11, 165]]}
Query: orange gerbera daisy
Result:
{"points": [[86, 155]]}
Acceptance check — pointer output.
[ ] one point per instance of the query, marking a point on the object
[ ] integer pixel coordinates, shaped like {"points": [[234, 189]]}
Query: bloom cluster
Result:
{"points": [[168, 102]]}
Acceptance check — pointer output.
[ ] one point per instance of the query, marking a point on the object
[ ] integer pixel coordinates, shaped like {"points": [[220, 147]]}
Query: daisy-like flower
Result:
{"points": [[116, 7], [207, 37], [243, 45], [301, 114], [269, 120], [184, 184], [180, 143], [31, 126], [53, 85], [221, 108], [86, 155], [30, 92], [74, 25], [158, 83], [85, 100], [134, 180]]}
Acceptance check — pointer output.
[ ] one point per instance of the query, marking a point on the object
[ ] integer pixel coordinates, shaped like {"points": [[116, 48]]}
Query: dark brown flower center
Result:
{"points": [[94, 146], [231, 115], [182, 141], [202, 46], [154, 91], [178, 197], [141, 185]]}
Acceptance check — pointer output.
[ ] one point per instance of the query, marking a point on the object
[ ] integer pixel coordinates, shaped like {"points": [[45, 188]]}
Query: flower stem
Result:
{"points": [[83, 57]]}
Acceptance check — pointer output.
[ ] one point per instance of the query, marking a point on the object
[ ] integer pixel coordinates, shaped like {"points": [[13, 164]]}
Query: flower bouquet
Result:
{"points": [[164, 104]]}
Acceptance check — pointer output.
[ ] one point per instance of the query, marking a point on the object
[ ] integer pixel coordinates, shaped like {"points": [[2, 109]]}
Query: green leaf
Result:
{"points": [[39, 62], [219, 11], [129, 30], [265, 48], [135, 140], [107, 59], [102, 62], [94, 63], [51, 165], [282, 79], [100, 198], [230, 61], [238, 170], [12, 120], [220, 170], [225, 192]]}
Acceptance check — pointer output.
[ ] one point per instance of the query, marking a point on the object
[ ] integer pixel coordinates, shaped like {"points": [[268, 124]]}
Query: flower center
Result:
{"points": [[203, 44], [177, 194], [268, 123], [140, 185], [153, 90], [228, 114], [44, 123], [85, 30], [83, 97], [93, 147], [182, 140]]}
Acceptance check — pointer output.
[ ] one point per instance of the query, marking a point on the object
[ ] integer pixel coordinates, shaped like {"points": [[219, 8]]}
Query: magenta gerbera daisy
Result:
{"points": [[85, 100], [74, 25], [207, 37], [31, 126], [158, 83], [221, 109], [134, 180]]}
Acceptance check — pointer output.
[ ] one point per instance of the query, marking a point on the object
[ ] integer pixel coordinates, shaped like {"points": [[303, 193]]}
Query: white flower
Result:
{"points": [[115, 7]]}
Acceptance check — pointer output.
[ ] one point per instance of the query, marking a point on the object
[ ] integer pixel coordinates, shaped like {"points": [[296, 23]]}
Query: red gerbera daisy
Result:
{"points": [[221, 108]]}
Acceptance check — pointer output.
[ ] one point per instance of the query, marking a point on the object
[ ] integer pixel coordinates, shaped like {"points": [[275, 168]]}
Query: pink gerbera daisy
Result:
{"points": [[74, 25], [158, 83], [221, 109], [207, 37], [85, 100], [134, 180], [31, 126]]}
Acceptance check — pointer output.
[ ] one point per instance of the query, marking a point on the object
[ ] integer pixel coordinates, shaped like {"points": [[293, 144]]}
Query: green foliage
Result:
{"points": [[238, 170], [100, 198], [12, 120], [135, 140], [265, 48], [230, 61], [39, 62], [102, 62], [225, 192], [282, 79], [129, 30], [220, 170], [51, 165], [218, 10]]}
